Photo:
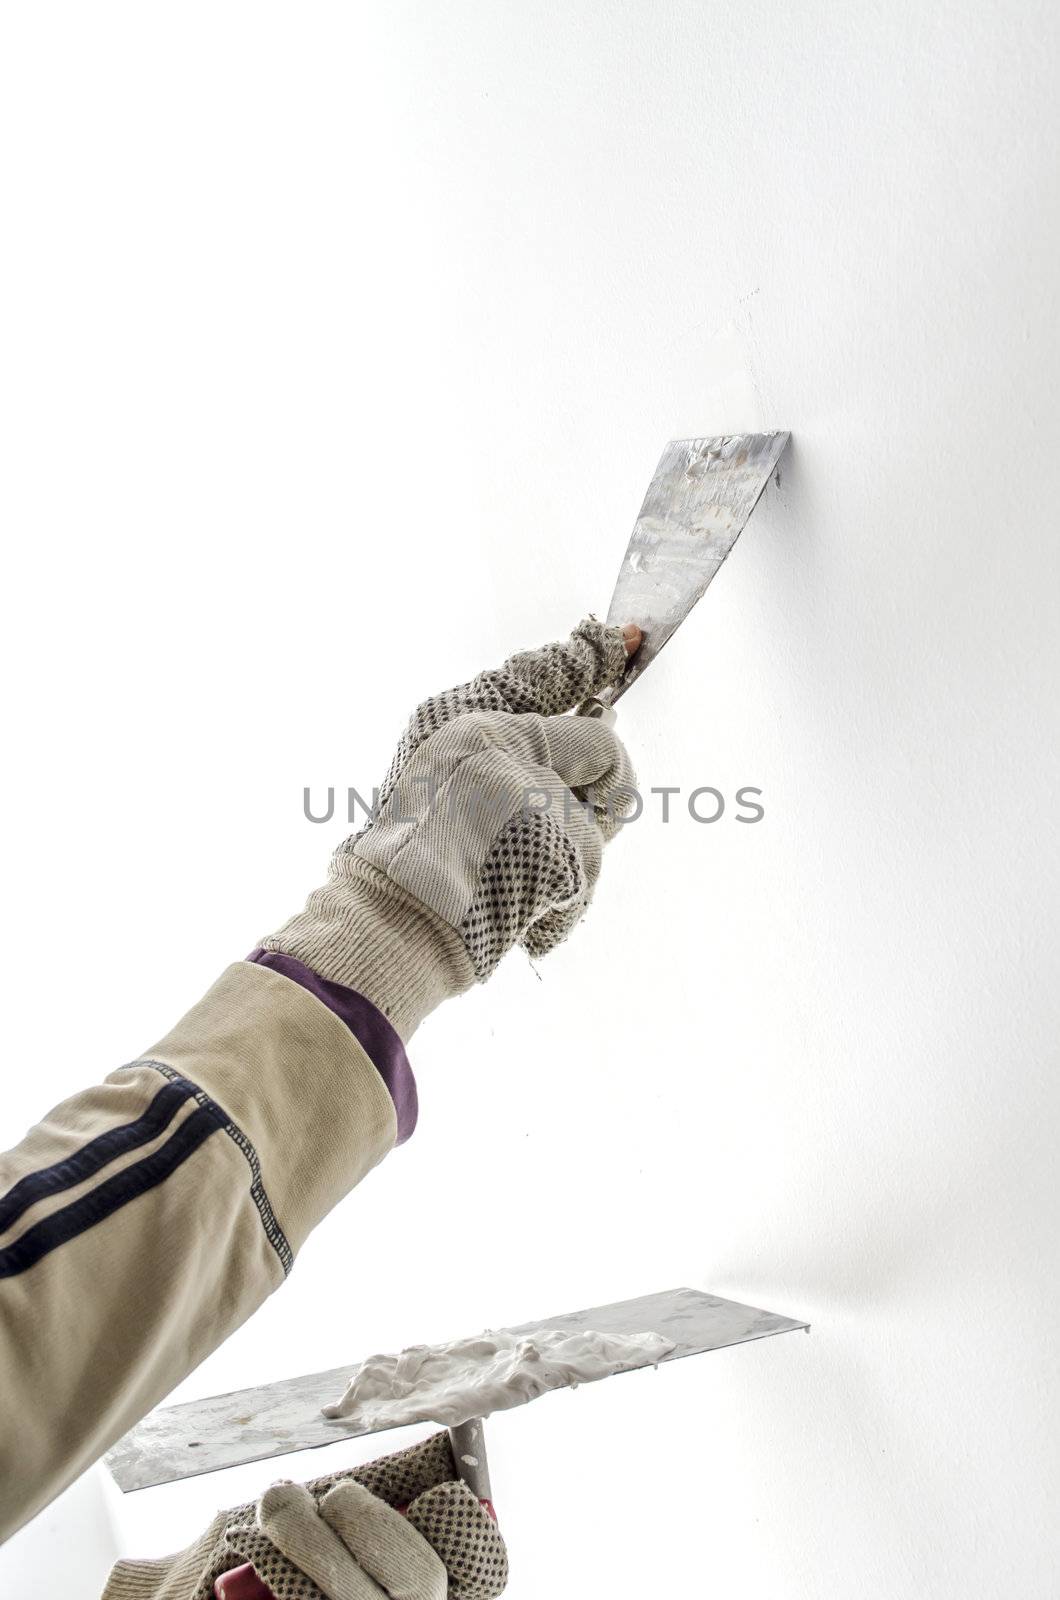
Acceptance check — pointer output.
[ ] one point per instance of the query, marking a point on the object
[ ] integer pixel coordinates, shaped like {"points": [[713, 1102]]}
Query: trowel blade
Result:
{"points": [[276, 1419], [696, 506]]}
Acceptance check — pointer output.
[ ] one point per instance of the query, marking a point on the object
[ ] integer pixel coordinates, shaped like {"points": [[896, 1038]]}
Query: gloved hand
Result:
{"points": [[351, 1544], [489, 832], [402, 1527]]}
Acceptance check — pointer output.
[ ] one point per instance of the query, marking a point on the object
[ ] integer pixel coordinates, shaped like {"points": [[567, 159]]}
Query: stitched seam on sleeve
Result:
{"points": [[258, 1193]]}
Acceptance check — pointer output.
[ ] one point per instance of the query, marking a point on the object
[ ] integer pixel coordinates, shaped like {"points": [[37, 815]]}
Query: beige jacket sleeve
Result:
{"points": [[145, 1219]]}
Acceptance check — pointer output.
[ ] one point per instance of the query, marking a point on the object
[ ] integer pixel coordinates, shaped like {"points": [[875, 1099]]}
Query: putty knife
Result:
{"points": [[275, 1419], [696, 507]]}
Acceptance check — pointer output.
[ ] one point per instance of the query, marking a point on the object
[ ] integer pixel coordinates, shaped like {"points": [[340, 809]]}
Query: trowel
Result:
{"points": [[276, 1419], [696, 507]]}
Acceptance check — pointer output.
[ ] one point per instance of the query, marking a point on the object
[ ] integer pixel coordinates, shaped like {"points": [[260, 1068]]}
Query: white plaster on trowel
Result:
{"points": [[452, 1383]]}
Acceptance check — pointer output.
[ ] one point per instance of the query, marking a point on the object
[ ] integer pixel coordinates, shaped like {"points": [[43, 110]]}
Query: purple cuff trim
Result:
{"points": [[378, 1037]]}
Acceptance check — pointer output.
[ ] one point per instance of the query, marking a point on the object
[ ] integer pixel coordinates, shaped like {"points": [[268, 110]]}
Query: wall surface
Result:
{"points": [[339, 345]]}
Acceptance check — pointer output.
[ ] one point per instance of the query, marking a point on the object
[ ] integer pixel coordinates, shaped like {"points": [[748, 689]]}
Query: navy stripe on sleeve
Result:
{"points": [[114, 1193], [95, 1155]]}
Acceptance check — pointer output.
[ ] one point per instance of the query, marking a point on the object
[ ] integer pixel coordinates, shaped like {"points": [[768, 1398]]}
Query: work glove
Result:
{"points": [[488, 832], [348, 1543], [402, 1527]]}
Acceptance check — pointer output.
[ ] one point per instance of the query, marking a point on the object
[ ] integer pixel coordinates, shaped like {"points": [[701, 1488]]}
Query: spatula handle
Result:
{"points": [[469, 1454], [599, 710]]}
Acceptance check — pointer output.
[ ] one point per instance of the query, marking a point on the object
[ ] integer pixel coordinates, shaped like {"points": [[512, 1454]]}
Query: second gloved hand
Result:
{"points": [[489, 832]]}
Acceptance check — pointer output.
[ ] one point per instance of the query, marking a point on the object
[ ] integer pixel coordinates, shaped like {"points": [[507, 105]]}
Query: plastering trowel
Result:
{"points": [[695, 509], [228, 1430]]}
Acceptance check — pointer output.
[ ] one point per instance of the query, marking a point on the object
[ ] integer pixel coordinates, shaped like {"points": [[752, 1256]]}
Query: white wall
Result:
{"points": [[340, 344]]}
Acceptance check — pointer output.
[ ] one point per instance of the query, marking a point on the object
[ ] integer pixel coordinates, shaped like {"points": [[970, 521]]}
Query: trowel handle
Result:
{"points": [[468, 1440], [599, 710]]}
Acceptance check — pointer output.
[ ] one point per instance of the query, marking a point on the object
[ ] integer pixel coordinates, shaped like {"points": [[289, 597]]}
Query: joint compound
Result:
{"points": [[452, 1383]]}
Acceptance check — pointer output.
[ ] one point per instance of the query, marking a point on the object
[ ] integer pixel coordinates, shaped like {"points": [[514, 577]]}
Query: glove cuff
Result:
{"points": [[364, 931]]}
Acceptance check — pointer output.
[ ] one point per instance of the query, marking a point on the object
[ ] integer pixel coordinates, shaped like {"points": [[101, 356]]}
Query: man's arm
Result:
{"points": [[146, 1218], [143, 1220]]}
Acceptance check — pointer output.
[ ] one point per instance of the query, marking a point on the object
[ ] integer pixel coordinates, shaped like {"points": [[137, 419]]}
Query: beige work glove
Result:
{"points": [[402, 1527], [351, 1544], [489, 832]]}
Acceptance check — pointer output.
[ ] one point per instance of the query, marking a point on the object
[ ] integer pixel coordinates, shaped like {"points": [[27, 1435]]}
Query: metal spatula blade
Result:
{"points": [[228, 1430], [696, 506]]}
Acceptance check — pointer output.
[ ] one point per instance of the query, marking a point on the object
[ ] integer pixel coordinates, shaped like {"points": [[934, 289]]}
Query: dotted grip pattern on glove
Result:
{"points": [[532, 890], [489, 832], [461, 1539]]}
